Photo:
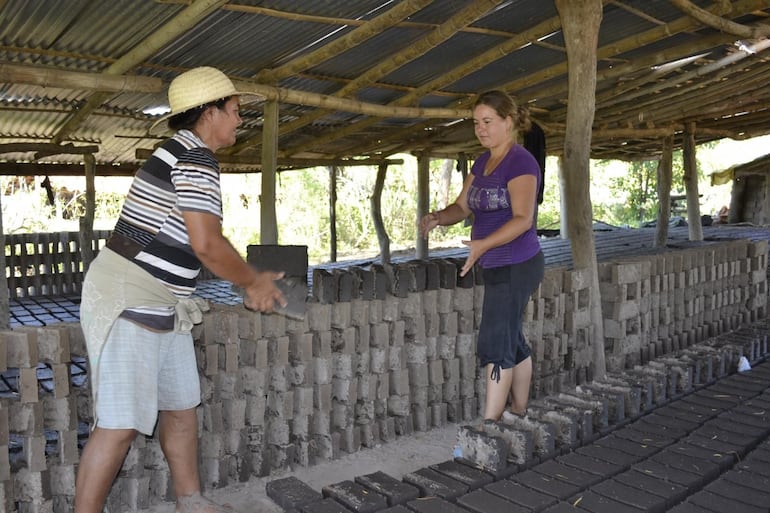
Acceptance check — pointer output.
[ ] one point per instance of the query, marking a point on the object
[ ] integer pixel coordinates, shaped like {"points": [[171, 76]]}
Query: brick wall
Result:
{"points": [[381, 353]]}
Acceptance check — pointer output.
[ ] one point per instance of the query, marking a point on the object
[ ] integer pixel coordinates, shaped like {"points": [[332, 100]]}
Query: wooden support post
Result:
{"points": [[332, 213], [735, 215], [423, 201], [268, 229], [376, 204], [665, 178], [580, 21], [691, 183], [563, 232], [87, 221]]}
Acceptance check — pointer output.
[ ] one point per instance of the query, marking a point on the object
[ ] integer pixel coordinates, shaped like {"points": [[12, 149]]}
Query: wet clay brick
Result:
{"points": [[690, 480], [590, 465], [739, 494], [324, 506], [395, 491], [432, 483], [482, 501], [471, 476], [558, 470], [672, 493], [546, 484], [596, 503], [355, 497], [434, 505], [521, 495], [631, 496], [714, 502], [291, 493], [704, 470]]}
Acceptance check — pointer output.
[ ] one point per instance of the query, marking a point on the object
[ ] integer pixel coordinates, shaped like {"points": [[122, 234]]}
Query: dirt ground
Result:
{"points": [[401, 456]]}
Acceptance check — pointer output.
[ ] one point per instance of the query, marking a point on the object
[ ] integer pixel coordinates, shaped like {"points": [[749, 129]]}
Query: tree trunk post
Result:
{"points": [[268, 229], [563, 232], [86, 233], [580, 21], [665, 178], [333, 213], [423, 201], [379, 225], [695, 228]]}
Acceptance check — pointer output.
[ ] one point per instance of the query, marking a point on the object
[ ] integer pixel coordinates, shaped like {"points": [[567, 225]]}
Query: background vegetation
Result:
{"points": [[623, 194]]}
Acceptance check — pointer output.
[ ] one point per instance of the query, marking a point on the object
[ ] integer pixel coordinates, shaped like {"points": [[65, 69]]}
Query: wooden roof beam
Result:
{"points": [[720, 23], [46, 76]]}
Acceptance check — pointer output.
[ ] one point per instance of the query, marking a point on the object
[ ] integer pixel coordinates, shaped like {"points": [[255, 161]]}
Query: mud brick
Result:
{"points": [[324, 506], [447, 270], [543, 434], [671, 492], [666, 423], [520, 442], [536, 481], [324, 286], [643, 438], [596, 503], [481, 501], [471, 476], [619, 458], [703, 471], [639, 450], [724, 460], [31, 486], [434, 484], [355, 497], [715, 502], [26, 418], [28, 385], [21, 347], [631, 496], [394, 491], [557, 470], [60, 414], [749, 479], [521, 495], [487, 451]]}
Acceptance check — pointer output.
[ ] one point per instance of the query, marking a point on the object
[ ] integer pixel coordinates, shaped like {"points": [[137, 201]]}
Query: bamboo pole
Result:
{"points": [[47, 76], [721, 24], [180, 24], [268, 232], [5, 306], [47, 149], [86, 232], [423, 202]]}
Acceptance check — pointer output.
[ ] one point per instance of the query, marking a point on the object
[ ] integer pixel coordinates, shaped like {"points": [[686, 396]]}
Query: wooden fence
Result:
{"points": [[46, 264]]}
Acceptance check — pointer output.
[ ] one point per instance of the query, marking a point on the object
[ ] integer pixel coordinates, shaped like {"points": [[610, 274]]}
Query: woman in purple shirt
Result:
{"points": [[501, 193]]}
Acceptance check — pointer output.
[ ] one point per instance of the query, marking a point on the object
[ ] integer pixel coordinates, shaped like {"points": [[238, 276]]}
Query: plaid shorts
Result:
{"points": [[142, 372]]}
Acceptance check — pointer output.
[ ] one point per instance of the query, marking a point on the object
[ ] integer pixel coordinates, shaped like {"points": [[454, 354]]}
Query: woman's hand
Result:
{"points": [[476, 249], [427, 223]]}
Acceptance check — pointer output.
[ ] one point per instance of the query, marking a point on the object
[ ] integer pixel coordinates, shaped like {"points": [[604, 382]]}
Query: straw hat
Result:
{"points": [[197, 87]]}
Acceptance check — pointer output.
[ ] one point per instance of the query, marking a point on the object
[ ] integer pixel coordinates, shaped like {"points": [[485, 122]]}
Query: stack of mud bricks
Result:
{"points": [[39, 421], [656, 304], [561, 350], [382, 352]]}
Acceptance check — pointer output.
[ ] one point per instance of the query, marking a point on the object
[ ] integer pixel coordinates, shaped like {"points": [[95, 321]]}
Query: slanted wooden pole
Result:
{"points": [[580, 21], [665, 174], [86, 233], [268, 226], [332, 213], [376, 204], [423, 201], [691, 183], [5, 306]]}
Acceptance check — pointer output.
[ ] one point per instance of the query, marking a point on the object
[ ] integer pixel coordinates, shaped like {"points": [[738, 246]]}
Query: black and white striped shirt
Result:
{"points": [[181, 175]]}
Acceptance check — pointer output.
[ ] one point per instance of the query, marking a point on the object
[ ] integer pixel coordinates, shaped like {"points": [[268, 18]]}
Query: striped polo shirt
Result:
{"points": [[181, 175]]}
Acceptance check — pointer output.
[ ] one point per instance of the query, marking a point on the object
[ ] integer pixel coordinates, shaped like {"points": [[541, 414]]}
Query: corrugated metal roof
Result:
{"points": [[246, 37]]}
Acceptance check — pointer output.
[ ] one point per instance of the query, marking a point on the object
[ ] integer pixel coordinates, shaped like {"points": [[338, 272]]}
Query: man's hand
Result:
{"points": [[262, 294]]}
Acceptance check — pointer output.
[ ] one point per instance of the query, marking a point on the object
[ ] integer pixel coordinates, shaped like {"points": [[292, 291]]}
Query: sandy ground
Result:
{"points": [[401, 456]]}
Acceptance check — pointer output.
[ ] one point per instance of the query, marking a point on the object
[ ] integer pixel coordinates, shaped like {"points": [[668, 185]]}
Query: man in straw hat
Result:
{"points": [[136, 309]]}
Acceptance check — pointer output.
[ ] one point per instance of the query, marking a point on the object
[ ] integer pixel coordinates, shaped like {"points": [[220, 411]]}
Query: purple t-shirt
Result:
{"points": [[490, 202]]}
